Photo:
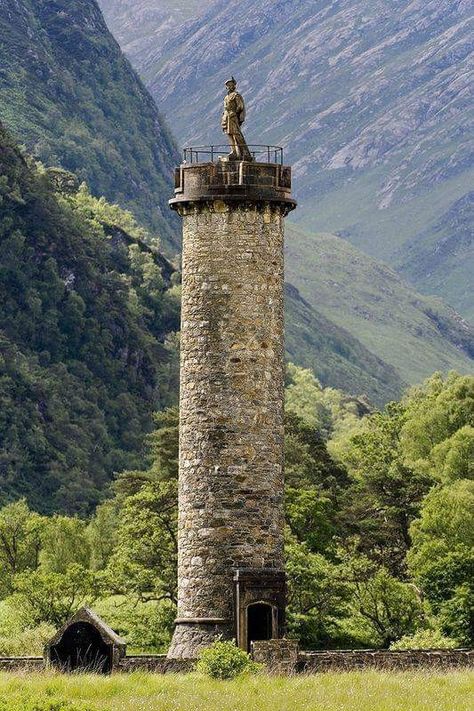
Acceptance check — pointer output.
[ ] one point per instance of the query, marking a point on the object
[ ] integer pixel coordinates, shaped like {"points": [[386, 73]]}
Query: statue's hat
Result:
{"points": [[231, 81]]}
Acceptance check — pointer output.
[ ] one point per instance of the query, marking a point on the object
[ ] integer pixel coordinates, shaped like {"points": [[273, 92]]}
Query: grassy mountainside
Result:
{"points": [[440, 257], [86, 346], [337, 358], [70, 96], [371, 100], [416, 334]]}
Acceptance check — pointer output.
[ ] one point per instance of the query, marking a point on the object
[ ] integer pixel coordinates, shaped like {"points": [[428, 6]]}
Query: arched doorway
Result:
{"points": [[82, 647], [259, 622]]}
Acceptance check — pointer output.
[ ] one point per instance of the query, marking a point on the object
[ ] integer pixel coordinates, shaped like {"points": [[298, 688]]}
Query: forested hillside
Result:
{"points": [[372, 102], [87, 338], [70, 96]]}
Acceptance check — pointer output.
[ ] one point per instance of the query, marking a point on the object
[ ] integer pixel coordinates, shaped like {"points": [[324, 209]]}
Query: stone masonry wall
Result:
{"points": [[231, 404], [314, 662], [280, 663]]}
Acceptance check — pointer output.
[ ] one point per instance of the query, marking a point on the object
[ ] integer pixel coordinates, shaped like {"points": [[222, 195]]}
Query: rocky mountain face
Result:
{"points": [[140, 27], [68, 94], [373, 102]]}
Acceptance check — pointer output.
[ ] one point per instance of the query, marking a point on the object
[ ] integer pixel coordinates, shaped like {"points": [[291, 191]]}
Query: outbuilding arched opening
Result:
{"points": [[259, 622], [82, 647]]}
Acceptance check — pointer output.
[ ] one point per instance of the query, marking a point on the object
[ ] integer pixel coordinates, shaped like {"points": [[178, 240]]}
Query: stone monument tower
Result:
{"points": [[231, 579]]}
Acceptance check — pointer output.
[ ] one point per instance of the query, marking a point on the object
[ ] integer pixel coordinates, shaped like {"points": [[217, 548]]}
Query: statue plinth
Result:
{"points": [[233, 181]]}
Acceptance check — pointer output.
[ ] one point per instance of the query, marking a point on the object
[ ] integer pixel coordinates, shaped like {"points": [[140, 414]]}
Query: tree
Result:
{"points": [[386, 494], [20, 542], [436, 414], [442, 557], [391, 608], [63, 543], [53, 597], [317, 596], [145, 561], [101, 534]]}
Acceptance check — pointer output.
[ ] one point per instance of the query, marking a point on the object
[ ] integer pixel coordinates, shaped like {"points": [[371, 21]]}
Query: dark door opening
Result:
{"points": [[259, 622], [82, 647]]}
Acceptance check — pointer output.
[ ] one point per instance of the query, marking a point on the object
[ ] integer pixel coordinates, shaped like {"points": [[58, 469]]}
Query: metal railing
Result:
{"points": [[259, 153]]}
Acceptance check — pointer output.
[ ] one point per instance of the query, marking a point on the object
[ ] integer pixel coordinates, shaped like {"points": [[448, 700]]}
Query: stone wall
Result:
{"points": [[26, 664], [231, 432], [314, 662], [279, 656], [158, 664], [283, 662]]}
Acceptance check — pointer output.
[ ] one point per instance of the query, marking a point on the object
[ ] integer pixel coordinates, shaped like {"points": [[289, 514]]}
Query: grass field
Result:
{"points": [[356, 691]]}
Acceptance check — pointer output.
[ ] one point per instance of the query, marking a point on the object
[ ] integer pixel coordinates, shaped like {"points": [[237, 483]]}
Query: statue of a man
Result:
{"points": [[232, 119]]}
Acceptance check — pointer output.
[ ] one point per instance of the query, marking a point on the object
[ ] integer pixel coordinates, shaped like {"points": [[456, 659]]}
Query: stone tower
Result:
{"points": [[231, 580]]}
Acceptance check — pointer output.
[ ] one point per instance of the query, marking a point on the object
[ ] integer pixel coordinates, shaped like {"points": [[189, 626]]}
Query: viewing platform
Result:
{"points": [[208, 175]]}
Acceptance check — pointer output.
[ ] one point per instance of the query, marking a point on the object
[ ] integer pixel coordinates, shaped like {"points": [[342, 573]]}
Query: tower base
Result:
{"points": [[191, 636]]}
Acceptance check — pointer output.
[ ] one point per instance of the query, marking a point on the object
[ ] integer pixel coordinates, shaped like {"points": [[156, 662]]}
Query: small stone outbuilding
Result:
{"points": [[85, 642]]}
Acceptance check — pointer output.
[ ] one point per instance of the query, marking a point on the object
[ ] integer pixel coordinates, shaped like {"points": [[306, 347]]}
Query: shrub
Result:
{"points": [[425, 639], [224, 660]]}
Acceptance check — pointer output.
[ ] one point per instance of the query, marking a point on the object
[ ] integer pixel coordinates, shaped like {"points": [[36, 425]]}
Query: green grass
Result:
{"points": [[356, 691]]}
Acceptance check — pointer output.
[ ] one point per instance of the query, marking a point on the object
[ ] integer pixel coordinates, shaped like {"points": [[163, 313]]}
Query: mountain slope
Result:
{"points": [[70, 96], [373, 102], [86, 346], [337, 358], [141, 26], [416, 334]]}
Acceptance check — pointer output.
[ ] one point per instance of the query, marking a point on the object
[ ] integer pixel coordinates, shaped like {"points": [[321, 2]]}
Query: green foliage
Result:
{"points": [[425, 639], [318, 597], [327, 410], [53, 597], [390, 608], [87, 350], [147, 627], [224, 660], [386, 494], [144, 562], [20, 542], [64, 543], [437, 436], [94, 118], [457, 614], [27, 642]]}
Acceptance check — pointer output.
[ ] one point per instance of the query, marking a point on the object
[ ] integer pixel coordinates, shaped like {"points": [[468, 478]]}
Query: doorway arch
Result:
{"points": [[82, 647], [259, 622]]}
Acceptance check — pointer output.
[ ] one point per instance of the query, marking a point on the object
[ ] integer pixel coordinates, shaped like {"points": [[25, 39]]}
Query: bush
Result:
{"points": [[224, 660], [425, 639]]}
